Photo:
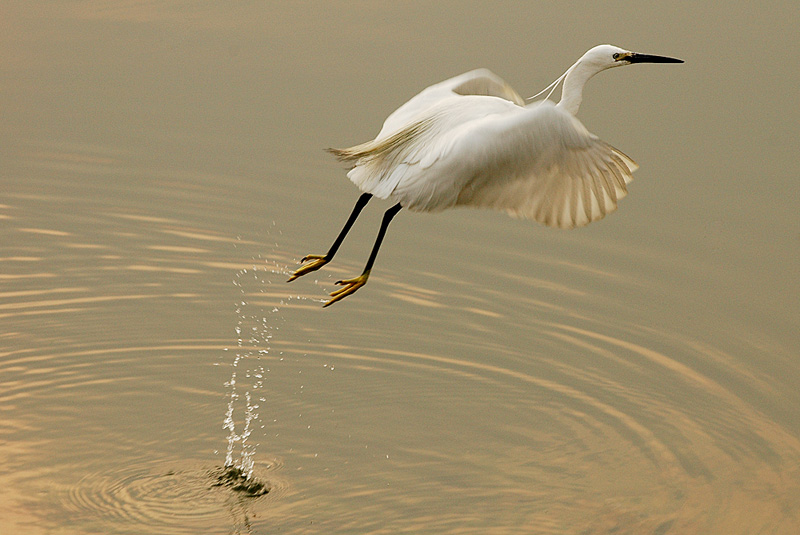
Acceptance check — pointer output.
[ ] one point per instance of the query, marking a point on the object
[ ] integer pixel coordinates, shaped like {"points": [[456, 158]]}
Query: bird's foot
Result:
{"points": [[318, 262], [350, 286]]}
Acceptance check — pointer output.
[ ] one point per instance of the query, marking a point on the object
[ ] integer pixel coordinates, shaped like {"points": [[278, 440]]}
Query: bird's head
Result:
{"points": [[604, 57], [597, 59]]}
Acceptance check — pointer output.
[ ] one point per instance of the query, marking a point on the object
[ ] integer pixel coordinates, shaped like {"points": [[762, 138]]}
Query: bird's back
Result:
{"points": [[399, 165]]}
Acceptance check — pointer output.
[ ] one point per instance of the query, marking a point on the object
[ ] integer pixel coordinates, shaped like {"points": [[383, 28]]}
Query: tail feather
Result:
{"points": [[352, 154], [379, 149]]}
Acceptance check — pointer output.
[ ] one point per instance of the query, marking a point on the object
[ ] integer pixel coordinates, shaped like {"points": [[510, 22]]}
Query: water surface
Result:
{"points": [[162, 173]]}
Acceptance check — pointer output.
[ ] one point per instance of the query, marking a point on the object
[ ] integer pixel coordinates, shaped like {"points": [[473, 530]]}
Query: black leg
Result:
{"points": [[360, 204], [351, 285], [387, 218], [319, 261]]}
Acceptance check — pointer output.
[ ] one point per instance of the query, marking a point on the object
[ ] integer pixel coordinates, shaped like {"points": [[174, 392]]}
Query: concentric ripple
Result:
{"points": [[179, 498]]}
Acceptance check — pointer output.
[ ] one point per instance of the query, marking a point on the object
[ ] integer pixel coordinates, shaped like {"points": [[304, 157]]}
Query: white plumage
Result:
{"points": [[472, 141]]}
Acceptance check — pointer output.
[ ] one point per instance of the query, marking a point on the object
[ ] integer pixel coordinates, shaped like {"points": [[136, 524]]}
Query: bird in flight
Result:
{"points": [[473, 141]]}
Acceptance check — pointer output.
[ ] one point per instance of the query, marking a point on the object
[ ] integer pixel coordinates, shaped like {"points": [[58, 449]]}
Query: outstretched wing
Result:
{"points": [[541, 163], [537, 162], [482, 82], [397, 164]]}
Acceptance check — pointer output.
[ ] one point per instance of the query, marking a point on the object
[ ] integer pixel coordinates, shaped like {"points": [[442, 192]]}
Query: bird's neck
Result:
{"points": [[572, 90]]}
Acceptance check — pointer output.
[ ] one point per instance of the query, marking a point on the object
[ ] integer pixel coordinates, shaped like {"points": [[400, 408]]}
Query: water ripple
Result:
{"points": [[148, 497]]}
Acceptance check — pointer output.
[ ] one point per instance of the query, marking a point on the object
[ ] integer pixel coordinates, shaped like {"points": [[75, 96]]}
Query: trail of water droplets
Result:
{"points": [[255, 328]]}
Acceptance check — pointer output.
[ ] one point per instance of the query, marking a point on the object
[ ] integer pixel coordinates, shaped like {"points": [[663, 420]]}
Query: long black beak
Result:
{"points": [[648, 58]]}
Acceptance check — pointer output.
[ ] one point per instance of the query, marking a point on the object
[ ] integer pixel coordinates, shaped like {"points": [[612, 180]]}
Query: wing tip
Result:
{"points": [[629, 162]]}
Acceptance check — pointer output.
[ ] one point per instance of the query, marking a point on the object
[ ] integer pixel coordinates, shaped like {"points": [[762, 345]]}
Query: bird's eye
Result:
{"points": [[616, 55]]}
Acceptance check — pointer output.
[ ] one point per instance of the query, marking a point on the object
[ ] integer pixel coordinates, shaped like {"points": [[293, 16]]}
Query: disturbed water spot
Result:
{"points": [[237, 480]]}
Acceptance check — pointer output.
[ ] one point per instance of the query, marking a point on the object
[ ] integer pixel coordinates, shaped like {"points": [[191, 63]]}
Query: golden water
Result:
{"points": [[161, 173]]}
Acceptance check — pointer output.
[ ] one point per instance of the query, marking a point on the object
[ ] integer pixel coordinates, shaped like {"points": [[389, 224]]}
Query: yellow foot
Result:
{"points": [[350, 286], [318, 262]]}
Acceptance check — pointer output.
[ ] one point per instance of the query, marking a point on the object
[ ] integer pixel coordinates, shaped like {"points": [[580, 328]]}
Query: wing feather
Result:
{"points": [[545, 166], [478, 82], [401, 165], [536, 162], [483, 82]]}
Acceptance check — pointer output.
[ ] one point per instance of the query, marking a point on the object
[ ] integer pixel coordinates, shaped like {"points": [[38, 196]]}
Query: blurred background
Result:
{"points": [[162, 171]]}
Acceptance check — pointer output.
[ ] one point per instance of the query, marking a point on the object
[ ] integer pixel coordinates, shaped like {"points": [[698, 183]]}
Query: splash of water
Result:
{"points": [[254, 331]]}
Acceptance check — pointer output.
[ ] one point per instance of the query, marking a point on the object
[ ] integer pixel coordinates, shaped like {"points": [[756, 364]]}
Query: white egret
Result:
{"points": [[472, 141]]}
